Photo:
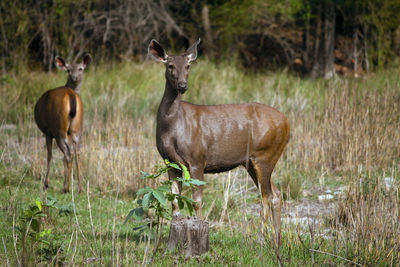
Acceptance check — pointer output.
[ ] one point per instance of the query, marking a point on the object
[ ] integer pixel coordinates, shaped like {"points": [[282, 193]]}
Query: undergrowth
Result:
{"points": [[344, 134]]}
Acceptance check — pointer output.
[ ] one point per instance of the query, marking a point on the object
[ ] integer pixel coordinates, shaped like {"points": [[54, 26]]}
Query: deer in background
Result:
{"points": [[218, 138], [59, 115]]}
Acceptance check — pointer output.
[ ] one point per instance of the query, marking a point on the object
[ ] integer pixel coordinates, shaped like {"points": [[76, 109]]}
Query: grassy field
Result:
{"points": [[345, 139]]}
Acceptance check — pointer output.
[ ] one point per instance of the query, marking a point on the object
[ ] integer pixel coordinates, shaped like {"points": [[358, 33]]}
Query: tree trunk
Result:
{"points": [[329, 40], [324, 56], [317, 59], [209, 43], [365, 50], [306, 44], [355, 50], [188, 235], [356, 53]]}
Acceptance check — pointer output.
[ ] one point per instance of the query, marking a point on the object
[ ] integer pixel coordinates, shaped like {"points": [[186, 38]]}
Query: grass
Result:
{"points": [[344, 134]]}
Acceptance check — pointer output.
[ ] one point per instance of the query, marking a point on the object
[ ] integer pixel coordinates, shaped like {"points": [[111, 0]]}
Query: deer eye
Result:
{"points": [[187, 67], [80, 69], [170, 67]]}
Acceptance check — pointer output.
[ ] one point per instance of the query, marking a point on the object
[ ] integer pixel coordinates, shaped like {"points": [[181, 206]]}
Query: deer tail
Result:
{"points": [[72, 104]]}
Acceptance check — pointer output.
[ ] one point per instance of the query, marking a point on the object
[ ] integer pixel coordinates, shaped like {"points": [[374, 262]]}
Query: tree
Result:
{"points": [[323, 65]]}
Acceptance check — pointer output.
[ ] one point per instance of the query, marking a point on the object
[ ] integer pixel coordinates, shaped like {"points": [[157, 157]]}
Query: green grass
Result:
{"points": [[97, 234], [341, 130]]}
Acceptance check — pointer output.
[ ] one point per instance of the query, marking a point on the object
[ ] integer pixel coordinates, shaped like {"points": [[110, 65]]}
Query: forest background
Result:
{"points": [[311, 37]]}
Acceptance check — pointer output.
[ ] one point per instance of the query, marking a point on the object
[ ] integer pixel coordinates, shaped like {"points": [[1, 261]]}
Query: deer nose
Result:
{"points": [[182, 86]]}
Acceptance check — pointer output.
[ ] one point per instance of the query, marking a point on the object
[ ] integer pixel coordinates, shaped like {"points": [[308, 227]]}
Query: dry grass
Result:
{"points": [[368, 218], [351, 125], [342, 130]]}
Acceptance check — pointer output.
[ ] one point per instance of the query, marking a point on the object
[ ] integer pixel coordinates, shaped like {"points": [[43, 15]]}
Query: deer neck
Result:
{"points": [[76, 86], [170, 105]]}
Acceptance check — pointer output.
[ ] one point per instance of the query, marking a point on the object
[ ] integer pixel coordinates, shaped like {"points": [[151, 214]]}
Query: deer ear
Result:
{"points": [[86, 60], [191, 53], [157, 52], [60, 63]]}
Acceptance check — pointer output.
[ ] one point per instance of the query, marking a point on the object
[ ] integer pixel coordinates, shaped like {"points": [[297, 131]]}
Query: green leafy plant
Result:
{"points": [[63, 209], [30, 226], [157, 198], [30, 219], [51, 246]]}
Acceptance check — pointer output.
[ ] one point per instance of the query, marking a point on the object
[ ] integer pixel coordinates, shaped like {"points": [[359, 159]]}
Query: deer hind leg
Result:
{"points": [[176, 188], [76, 146], [62, 143], [49, 145], [270, 198]]}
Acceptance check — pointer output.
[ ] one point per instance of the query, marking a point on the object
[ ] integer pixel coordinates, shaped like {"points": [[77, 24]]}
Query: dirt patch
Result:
{"points": [[306, 212]]}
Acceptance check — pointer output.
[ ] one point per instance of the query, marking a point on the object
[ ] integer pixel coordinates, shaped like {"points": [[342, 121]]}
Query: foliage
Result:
{"points": [[31, 221], [51, 246], [158, 198], [377, 25], [342, 130], [32, 33]]}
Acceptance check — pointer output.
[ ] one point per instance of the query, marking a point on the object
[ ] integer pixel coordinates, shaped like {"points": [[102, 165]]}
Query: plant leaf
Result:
{"points": [[185, 172], [139, 227], [197, 182], [144, 175], [164, 188], [174, 165], [146, 201], [181, 204], [128, 216], [171, 197], [39, 204], [144, 190], [160, 197], [138, 214], [190, 207], [188, 200], [189, 204]]}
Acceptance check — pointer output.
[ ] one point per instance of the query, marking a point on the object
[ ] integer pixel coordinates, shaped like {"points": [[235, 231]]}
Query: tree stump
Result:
{"points": [[189, 235]]}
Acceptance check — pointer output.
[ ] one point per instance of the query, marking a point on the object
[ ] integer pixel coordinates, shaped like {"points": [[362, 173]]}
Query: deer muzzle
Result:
{"points": [[182, 87]]}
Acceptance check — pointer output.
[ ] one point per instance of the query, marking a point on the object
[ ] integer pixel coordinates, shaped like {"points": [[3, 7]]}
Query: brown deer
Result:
{"points": [[59, 115], [218, 138]]}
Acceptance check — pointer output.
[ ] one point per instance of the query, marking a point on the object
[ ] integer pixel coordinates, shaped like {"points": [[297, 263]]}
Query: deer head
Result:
{"points": [[177, 67], [75, 71]]}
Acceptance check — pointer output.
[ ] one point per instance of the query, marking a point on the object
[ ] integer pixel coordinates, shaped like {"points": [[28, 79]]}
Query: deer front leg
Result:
{"points": [[176, 188], [49, 145], [197, 192]]}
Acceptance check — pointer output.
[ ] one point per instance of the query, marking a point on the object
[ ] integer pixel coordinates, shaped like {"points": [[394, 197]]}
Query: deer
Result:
{"points": [[218, 138], [59, 115]]}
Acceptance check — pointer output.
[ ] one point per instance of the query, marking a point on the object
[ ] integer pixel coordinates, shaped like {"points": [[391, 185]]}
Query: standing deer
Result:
{"points": [[59, 115], [218, 138]]}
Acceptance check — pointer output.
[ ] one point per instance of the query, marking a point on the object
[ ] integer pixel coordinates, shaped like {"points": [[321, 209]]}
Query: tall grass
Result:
{"points": [[342, 130]]}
